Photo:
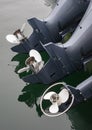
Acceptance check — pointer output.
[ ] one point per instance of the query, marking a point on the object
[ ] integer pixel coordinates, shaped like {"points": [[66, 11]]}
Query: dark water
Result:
{"points": [[19, 103]]}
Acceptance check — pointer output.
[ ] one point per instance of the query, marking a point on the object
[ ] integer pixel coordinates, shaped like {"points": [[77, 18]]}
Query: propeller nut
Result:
{"points": [[54, 98]]}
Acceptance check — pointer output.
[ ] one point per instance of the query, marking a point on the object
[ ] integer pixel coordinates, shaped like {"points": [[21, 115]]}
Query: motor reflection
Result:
{"points": [[31, 94], [81, 116]]}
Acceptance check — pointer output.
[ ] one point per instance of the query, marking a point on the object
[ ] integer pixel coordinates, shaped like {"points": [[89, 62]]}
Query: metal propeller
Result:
{"points": [[23, 27], [17, 36], [57, 99], [36, 54], [32, 61], [24, 69], [12, 39]]}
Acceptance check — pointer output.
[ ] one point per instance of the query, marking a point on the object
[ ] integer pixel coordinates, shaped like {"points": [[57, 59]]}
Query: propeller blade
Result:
{"points": [[23, 70], [36, 55], [23, 27], [54, 108], [12, 39], [64, 95], [48, 95]]}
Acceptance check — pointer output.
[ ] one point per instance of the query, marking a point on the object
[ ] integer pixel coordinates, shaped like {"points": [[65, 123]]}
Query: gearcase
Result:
{"points": [[62, 19]]}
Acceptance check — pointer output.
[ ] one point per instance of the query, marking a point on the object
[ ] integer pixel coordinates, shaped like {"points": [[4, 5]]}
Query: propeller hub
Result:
{"points": [[61, 102], [54, 98]]}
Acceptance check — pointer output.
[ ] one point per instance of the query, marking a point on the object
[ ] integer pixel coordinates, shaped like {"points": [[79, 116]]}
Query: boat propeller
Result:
{"points": [[57, 99], [17, 37], [59, 102], [33, 62]]}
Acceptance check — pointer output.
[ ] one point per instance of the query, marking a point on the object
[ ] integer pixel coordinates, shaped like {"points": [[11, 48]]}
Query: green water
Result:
{"points": [[19, 102]]}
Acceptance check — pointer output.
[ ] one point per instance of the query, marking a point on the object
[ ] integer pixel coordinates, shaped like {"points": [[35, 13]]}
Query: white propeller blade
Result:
{"points": [[48, 95], [12, 39], [36, 55], [23, 70], [64, 95], [23, 27], [54, 108]]}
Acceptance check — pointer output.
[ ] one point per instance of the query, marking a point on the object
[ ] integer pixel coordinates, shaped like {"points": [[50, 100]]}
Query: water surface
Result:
{"points": [[19, 103]]}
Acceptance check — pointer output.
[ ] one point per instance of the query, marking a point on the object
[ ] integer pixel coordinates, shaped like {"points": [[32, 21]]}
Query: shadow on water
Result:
{"points": [[80, 116]]}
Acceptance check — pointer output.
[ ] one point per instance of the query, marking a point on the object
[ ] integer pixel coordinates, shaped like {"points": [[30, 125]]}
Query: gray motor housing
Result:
{"points": [[62, 17], [67, 58]]}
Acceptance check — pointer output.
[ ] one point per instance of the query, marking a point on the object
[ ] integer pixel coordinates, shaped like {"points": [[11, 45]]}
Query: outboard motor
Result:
{"points": [[64, 16], [67, 97], [65, 59]]}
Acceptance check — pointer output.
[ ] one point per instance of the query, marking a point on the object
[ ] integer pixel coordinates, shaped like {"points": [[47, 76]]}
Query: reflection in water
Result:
{"points": [[31, 94], [80, 116]]}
